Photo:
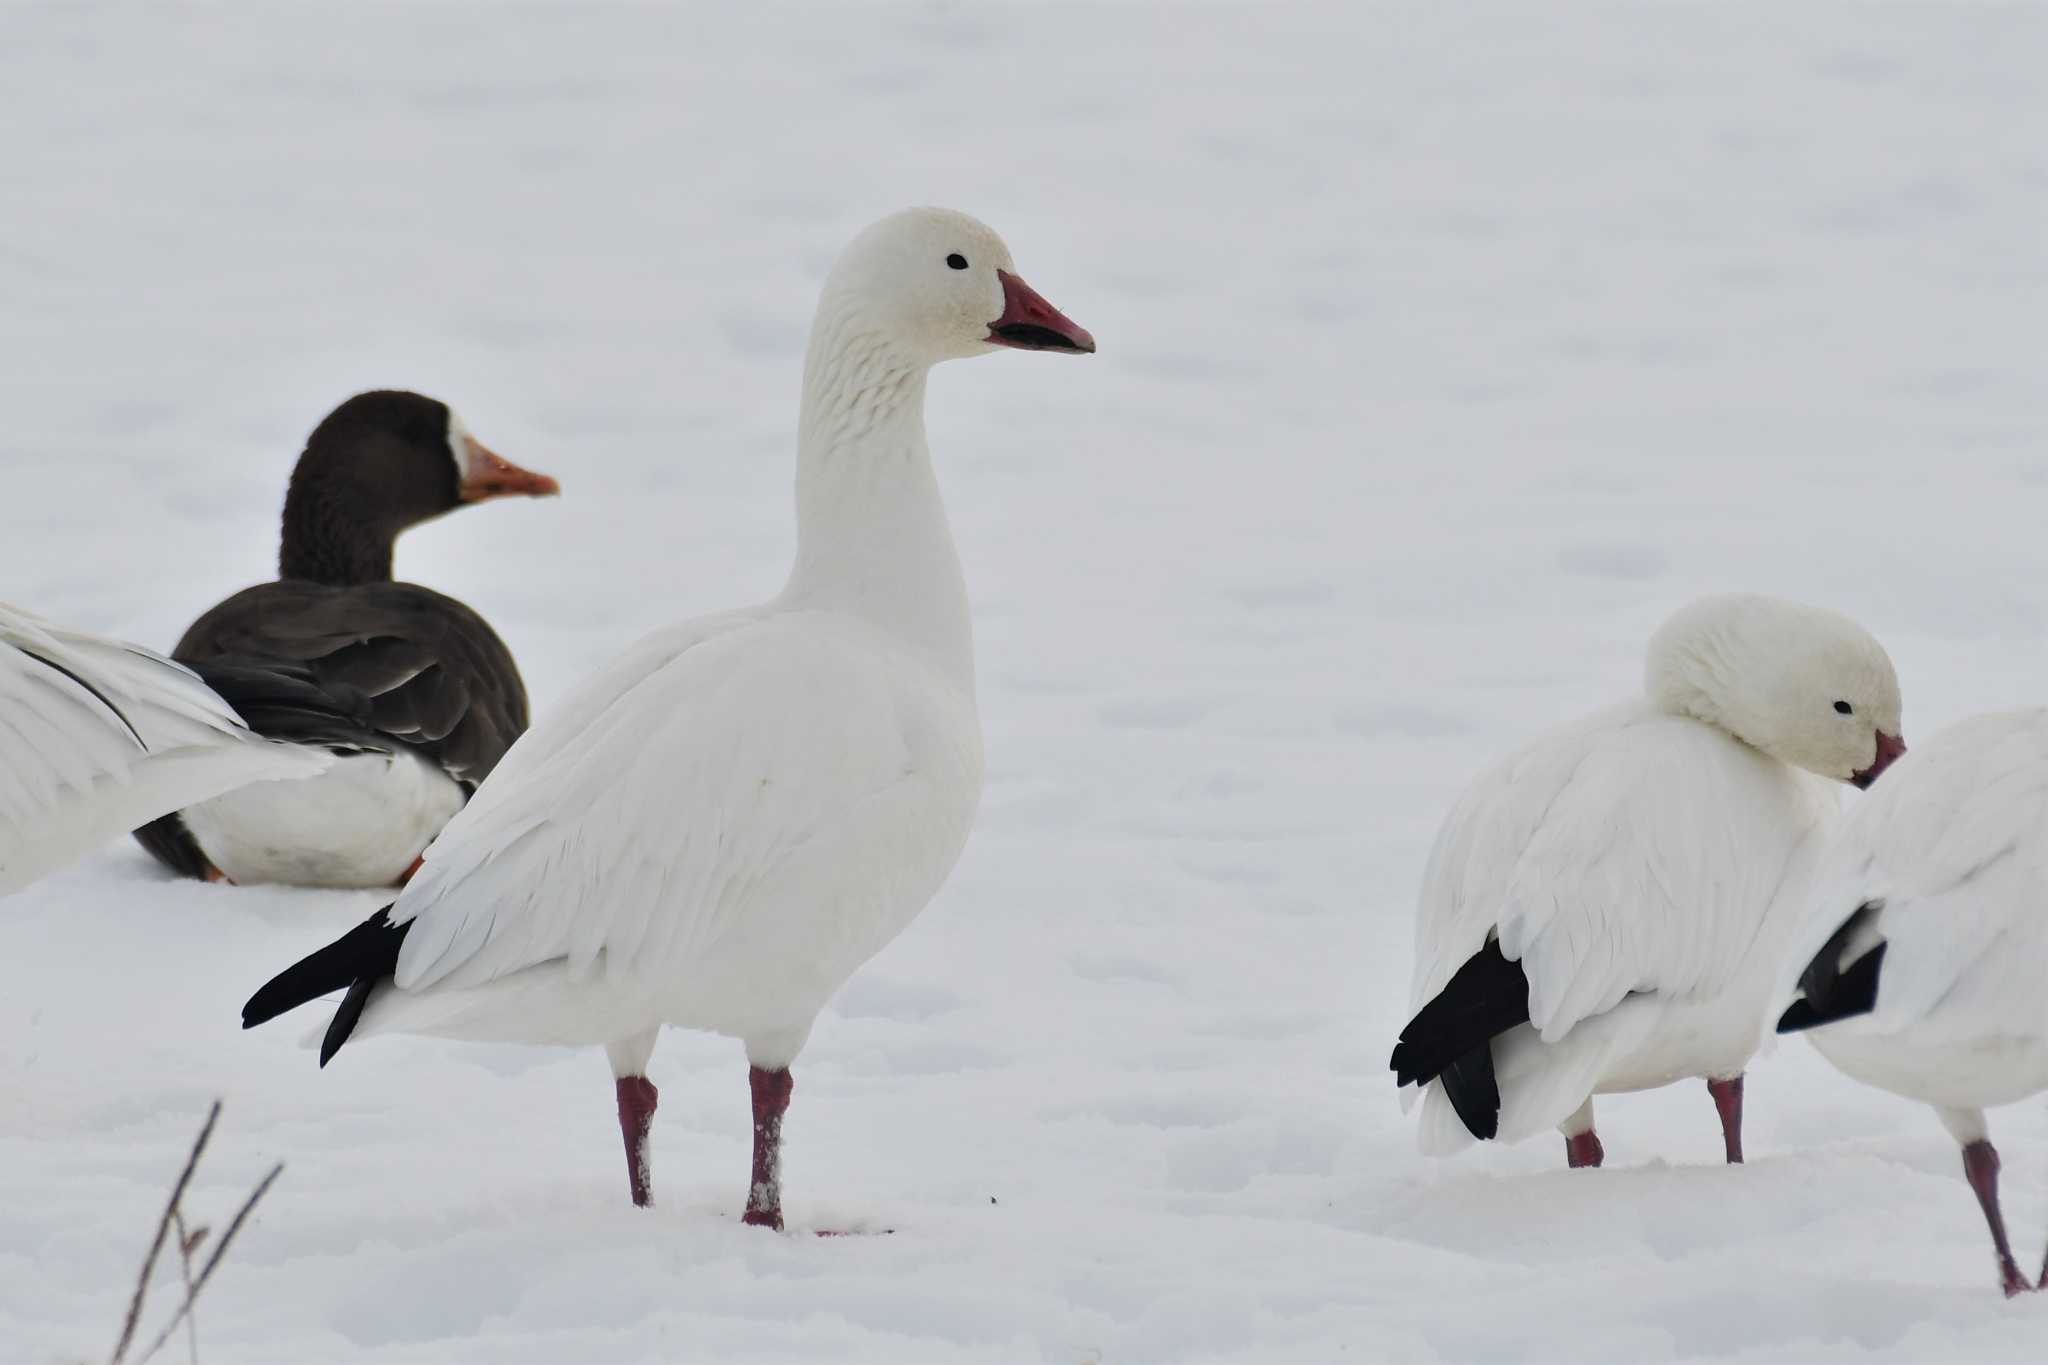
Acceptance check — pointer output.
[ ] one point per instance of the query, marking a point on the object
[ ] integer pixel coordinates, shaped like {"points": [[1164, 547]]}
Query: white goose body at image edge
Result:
{"points": [[98, 736], [1919, 965]]}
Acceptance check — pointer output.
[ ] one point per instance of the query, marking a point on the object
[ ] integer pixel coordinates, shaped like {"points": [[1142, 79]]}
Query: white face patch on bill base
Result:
{"points": [[461, 446], [481, 472]]}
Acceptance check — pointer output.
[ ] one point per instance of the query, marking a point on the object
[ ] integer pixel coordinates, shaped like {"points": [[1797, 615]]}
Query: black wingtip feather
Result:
{"points": [[1828, 992], [1849, 994], [1451, 1037], [346, 1017], [355, 962], [1474, 1091]]}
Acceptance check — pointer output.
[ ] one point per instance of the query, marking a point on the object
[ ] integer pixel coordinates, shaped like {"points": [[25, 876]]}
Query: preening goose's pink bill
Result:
{"points": [[1605, 910], [412, 691], [719, 828], [97, 736], [1921, 962]]}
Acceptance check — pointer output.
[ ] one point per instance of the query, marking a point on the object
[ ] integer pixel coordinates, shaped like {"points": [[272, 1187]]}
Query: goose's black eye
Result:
{"points": [[1844, 708], [957, 261]]}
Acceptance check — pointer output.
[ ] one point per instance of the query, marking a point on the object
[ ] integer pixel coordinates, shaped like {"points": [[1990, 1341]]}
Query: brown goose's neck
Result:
{"points": [[329, 538]]}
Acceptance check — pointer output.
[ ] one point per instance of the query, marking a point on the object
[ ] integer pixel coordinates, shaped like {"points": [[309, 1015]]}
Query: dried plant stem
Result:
{"points": [[187, 1242], [163, 1229], [220, 1249]]}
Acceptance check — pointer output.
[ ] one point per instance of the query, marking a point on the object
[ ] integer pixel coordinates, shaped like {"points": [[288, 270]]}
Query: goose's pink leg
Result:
{"points": [[771, 1098], [1728, 1100], [1980, 1165], [637, 1097], [1581, 1143], [1584, 1149]]}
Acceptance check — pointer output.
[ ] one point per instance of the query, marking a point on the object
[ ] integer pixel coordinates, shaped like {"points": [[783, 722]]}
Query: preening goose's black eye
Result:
{"points": [[1844, 708], [957, 261]]}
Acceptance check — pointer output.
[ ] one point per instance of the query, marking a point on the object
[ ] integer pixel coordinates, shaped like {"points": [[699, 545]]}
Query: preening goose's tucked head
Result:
{"points": [[379, 463], [937, 285], [1808, 686]]}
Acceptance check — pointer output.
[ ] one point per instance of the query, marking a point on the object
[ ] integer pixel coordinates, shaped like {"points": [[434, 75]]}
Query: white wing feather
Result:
{"points": [[1635, 852], [637, 829], [98, 737]]}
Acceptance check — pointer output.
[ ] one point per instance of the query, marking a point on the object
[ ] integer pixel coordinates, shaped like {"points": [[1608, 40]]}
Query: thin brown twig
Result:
{"points": [[188, 1242], [220, 1249], [163, 1228]]}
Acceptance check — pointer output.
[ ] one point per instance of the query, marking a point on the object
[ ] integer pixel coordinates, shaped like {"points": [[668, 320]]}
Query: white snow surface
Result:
{"points": [[1442, 355]]}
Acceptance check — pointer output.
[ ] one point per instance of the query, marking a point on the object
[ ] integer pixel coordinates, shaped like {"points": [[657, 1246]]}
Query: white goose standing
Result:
{"points": [[717, 830], [98, 736], [1602, 912], [1920, 966]]}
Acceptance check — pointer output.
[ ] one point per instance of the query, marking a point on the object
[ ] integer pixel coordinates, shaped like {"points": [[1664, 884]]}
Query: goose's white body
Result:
{"points": [[360, 823], [1954, 843], [719, 828], [715, 833], [98, 737], [1642, 867]]}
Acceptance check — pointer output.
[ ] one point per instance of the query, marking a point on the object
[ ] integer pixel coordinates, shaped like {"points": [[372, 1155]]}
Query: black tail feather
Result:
{"points": [[355, 962], [168, 841], [1827, 991], [1451, 1036]]}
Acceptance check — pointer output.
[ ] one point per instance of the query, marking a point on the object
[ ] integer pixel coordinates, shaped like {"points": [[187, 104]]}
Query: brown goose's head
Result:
{"points": [[381, 462]]}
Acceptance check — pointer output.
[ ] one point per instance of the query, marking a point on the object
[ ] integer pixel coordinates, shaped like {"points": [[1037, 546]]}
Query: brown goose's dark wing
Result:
{"points": [[382, 662]]}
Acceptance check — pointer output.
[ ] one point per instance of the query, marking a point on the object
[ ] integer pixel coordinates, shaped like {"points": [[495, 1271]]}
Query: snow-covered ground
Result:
{"points": [[1441, 356]]}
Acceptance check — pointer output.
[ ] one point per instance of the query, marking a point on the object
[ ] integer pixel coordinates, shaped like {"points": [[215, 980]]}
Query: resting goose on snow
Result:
{"points": [[1922, 965], [1600, 912], [718, 829], [414, 690], [97, 736]]}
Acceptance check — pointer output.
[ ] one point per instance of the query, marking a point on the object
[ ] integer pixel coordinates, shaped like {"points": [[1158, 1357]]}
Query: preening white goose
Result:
{"points": [[1602, 911], [1922, 964], [721, 826], [97, 736]]}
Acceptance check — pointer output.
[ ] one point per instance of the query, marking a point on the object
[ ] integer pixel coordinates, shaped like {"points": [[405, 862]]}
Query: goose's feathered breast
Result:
{"points": [[1635, 851]]}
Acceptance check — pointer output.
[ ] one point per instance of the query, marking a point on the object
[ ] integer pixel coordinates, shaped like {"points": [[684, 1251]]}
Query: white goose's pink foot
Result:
{"points": [[1728, 1100], [1584, 1149], [1980, 1165], [637, 1098], [771, 1098]]}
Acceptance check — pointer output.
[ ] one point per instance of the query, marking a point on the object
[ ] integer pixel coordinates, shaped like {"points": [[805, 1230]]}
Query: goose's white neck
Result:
{"points": [[872, 537]]}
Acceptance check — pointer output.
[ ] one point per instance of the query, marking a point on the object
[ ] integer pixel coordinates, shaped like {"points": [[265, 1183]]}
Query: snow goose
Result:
{"points": [[1600, 912], [97, 736], [414, 690], [718, 829], [1919, 968]]}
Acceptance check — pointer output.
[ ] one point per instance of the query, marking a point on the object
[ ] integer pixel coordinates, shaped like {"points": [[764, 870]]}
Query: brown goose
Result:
{"points": [[414, 691]]}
